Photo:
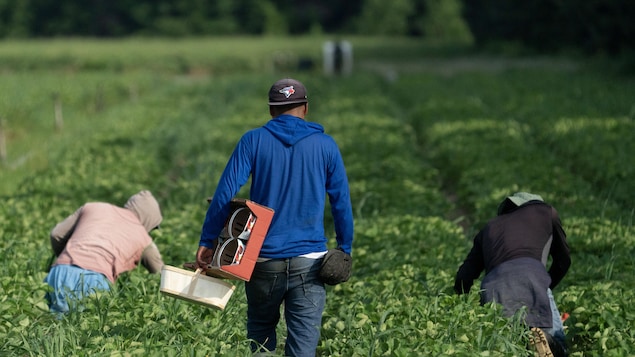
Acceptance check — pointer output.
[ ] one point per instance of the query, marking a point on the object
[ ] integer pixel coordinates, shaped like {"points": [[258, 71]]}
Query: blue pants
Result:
{"points": [[295, 283], [71, 284]]}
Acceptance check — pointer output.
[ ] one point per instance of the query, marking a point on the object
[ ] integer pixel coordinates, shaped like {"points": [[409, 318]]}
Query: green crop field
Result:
{"points": [[433, 138]]}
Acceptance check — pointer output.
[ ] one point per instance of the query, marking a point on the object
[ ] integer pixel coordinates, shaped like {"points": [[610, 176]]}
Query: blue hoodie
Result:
{"points": [[294, 165]]}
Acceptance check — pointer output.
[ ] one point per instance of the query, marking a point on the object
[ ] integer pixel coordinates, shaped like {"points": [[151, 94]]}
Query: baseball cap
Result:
{"points": [[287, 91]]}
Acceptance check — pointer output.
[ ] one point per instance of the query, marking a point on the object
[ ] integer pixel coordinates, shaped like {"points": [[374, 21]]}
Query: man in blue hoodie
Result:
{"points": [[294, 165]]}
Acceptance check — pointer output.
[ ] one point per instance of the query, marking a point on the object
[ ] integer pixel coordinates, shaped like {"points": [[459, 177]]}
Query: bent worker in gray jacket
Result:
{"points": [[513, 249]]}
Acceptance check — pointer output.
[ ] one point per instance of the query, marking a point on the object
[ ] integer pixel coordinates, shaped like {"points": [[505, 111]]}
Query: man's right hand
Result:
{"points": [[204, 257]]}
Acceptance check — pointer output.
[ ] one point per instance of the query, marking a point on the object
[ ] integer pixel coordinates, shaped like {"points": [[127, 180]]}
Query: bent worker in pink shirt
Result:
{"points": [[97, 243]]}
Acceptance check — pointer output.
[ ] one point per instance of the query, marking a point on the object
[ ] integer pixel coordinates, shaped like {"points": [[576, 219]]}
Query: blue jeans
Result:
{"points": [[70, 285], [295, 283], [557, 330]]}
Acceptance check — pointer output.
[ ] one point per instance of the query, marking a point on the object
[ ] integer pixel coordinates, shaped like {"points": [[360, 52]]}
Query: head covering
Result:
{"points": [[516, 200], [147, 209], [287, 91]]}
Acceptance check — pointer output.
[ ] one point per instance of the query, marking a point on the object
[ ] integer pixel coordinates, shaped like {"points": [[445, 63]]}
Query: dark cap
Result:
{"points": [[287, 91]]}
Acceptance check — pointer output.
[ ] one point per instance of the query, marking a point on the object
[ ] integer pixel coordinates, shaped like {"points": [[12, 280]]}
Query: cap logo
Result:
{"points": [[287, 91]]}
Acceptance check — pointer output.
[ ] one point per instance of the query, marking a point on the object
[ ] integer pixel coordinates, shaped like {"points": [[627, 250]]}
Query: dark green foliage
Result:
{"points": [[594, 26], [44, 18], [588, 26]]}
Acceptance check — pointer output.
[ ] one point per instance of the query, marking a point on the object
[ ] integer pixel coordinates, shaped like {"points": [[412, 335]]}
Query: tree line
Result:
{"points": [[590, 25], [546, 25]]}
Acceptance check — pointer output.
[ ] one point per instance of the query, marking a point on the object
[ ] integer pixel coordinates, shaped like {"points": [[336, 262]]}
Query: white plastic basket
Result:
{"points": [[195, 287]]}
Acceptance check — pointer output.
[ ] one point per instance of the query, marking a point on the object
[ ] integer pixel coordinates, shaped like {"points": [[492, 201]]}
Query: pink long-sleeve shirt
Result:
{"points": [[107, 239]]}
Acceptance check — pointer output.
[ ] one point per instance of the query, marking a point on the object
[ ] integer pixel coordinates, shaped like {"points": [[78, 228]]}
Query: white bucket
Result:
{"points": [[195, 287]]}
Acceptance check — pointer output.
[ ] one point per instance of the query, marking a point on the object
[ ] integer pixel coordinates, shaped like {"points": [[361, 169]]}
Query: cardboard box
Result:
{"points": [[239, 245]]}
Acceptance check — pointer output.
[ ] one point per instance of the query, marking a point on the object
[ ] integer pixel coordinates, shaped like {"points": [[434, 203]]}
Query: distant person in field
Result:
{"points": [[293, 166], [513, 248], [97, 243]]}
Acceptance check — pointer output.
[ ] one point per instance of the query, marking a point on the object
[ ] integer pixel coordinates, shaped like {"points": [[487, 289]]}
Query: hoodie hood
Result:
{"points": [[516, 200], [290, 129], [146, 207]]}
